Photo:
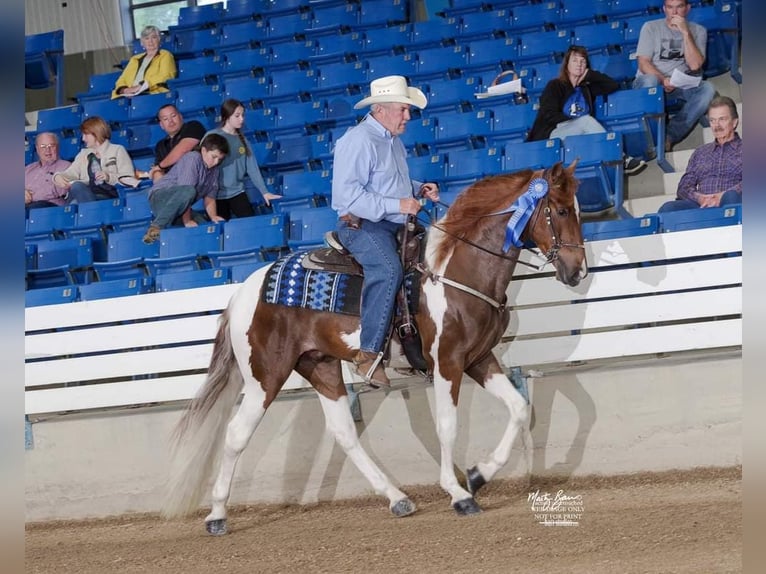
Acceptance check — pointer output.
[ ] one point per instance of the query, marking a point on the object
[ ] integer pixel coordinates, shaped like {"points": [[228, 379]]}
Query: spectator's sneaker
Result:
{"points": [[152, 234], [634, 165]]}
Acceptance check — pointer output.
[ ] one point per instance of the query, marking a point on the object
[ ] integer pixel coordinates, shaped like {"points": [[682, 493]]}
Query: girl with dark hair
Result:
{"points": [[233, 199], [193, 177]]}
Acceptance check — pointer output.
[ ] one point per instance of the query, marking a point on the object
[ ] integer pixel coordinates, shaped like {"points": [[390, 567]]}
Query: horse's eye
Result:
{"points": [[562, 211]]}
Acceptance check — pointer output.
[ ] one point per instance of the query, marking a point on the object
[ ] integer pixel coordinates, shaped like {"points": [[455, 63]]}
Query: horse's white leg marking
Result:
{"points": [[238, 434], [341, 424], [251, 411], [446, 412], [501, 387]]}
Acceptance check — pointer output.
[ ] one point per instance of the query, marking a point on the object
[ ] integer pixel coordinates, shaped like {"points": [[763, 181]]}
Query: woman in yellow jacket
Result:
{"points": [[147, 72]]}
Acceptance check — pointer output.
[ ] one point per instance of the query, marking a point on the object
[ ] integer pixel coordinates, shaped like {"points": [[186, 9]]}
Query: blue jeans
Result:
{"points": [[695, 104], [731, 197], [81, 192], [170, 202], [374, 247]]}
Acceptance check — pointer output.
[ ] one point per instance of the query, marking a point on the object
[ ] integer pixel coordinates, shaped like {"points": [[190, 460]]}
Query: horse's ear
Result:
{"points": [[572, 166]]}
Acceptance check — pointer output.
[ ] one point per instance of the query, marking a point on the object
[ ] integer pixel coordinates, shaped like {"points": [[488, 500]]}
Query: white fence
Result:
{"points": [[661, 293]]}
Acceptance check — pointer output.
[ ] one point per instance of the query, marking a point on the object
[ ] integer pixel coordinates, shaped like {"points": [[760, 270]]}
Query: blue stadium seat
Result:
{"points": [[116, 288], [124, 269], [386, 41], [199, 17], [251, 91], [30, 256], [231, 258], [196, 43], [387, 65], [240, 272], [341, 113], [580, 12], [114, 112], [303, 152], [308, 226], [616, 228], [158, 266], [600, 171], [177, 241], [265, 153], [339, 78], [241, 11], [511, 123], [99, 86], [632, 30], [293, 84], [420, 135], [144, 109], [722, 51], [434, 33], [484, 24], [96, 233], [492, 54], [290, 55], [201, 70], [376, 13], [44, 62], [639, 115], [136, 206], [470, 165], [604, 36], [463, 130], [191, 279], [428, 167], [65, 118], [621, 9], [339, 48], [534, 155], [50, 296], [452, 94], [333, 17], [284, 27], [617, 66], [56, 276], [542, 47], [700, 218], [535, 17], [303, 184], [299, 118], [243, 35], [69, 147], [127, 244], [268, 233], [204, 98], [50, 219], [99, 213], [77, 253]]}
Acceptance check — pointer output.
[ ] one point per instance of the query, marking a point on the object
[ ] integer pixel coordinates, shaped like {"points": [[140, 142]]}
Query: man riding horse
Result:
{"points": [[373, 195]]}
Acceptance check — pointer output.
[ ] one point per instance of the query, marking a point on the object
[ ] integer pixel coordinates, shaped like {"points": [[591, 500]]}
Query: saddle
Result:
{"points": [[337, 259]]}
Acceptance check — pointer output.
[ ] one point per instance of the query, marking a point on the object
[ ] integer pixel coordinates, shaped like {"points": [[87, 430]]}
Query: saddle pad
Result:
{"points": [[289, 283]]}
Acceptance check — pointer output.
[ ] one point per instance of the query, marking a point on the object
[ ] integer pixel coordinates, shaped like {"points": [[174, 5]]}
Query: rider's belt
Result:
{"points": [[352, 221]]}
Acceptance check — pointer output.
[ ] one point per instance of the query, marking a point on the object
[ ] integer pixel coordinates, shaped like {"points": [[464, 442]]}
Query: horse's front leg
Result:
{"points": [[446, 388], [491, 376]]}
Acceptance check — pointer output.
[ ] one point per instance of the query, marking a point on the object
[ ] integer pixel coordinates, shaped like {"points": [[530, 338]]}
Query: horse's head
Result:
{"points": [[555, 225]]}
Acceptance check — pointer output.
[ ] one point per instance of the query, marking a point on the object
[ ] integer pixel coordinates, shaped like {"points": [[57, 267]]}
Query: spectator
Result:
{"points": [[39, 189], [239, 163], [146, 73], [675, 44], [713, 176], [194, 177], [182, 137], [373, 195], [567, 103], [98, 168]]}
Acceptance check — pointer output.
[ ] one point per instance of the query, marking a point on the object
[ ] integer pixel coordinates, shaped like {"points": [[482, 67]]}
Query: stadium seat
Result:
{"points": [[582, 12], [386, 41], [50, 296], [600, 171], [56, 276], [201, 70], [44, 62], [251, 91], [339, 48], [240, 272], [386, 65], [241, 11], [127, 244], [493, 55], [511, 123], [190, 44], [469, 165], [177, 241], [77, 253], [334, 17], [100, 86], [287, 55], [114, 112], [283, 27], [700, 218], [293, 84], [191, 279], [199, 17], [621, 9], [463, 130], [303, 184], [433, 33], [376, 13], [308, 226], [420, 135], [237, 36], [199, 98], [534, 155], [428, 167], [268, 233], [299, 118], [722, 50], [116, 288], [30, 256], [535, 17], [340, 78], [145, 109], [479, 24], [50, 220], [603, 37], [157, 266], [97, 234], [62, 119], [303, 152], [125, 269], [616, 228], [542, 47], [452, 94]]}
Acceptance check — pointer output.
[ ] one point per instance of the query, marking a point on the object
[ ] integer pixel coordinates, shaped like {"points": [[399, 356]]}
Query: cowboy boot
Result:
{"points": [[363, 362]]}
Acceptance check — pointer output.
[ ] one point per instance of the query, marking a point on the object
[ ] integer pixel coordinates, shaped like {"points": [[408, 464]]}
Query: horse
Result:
{"points": [[461, 316]]}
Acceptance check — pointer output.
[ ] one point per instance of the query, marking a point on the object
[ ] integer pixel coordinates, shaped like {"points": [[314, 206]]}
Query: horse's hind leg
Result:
{"points": [[238, 433], [500, 386], [326, 376]]}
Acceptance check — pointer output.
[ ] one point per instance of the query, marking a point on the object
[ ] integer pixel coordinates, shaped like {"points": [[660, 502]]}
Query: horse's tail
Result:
{"points": [[198, 438]]}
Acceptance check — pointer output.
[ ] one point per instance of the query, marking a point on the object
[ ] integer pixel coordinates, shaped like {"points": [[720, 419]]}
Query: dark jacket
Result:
{"points": [[557, 92]]}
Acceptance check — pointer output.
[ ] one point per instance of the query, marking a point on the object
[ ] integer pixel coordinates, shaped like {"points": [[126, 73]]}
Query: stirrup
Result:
{"points": [[331, 238]]}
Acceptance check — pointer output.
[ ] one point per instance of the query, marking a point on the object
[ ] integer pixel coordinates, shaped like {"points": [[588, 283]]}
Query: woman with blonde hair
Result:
{"points": [[148, 72], [98, 168]]}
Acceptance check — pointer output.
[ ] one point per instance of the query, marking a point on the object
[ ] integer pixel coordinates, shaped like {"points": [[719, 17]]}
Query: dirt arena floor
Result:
{"points": [[674, 522]]}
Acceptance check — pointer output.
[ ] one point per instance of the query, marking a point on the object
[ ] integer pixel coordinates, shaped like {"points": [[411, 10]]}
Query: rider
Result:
{"points": [[373, 195]]}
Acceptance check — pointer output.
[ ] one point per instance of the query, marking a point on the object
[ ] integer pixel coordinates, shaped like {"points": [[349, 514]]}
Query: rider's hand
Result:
{"points": [[430, 190], [409, 206]]}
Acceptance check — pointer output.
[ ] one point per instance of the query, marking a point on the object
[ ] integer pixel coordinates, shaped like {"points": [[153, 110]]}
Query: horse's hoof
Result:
{"points": [[474, 479], [403, 507], [466, 507], [216, 527]]}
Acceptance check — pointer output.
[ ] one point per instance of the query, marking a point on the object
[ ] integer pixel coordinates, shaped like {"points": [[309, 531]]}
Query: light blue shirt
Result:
{"points": [[370, 173], [236, 166]]}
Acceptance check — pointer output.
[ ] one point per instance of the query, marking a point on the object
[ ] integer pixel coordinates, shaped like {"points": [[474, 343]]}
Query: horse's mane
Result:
{"points": [[465, 219]]}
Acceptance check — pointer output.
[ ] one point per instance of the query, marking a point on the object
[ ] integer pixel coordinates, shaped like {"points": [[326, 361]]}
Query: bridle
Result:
{"points": [[550, 256]]}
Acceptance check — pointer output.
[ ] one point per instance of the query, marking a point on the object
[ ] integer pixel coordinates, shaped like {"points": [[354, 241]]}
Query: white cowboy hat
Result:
{"points": [[390, 89]]}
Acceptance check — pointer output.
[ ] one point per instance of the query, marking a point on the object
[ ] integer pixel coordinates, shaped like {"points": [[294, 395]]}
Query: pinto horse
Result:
{"points": [[469, 259]]}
